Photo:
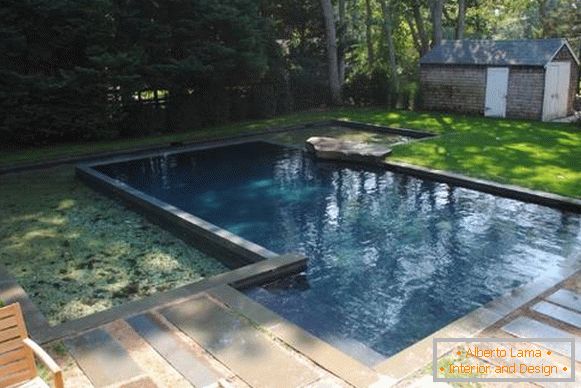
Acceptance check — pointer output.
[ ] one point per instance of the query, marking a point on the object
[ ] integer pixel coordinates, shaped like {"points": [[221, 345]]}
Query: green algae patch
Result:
{"points": [[76, 252]]}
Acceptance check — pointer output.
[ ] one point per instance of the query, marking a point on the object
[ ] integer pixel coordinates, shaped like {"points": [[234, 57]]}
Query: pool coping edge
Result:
{"points": [[504, 190], [249, 275], [399, 366], [317, 350]]}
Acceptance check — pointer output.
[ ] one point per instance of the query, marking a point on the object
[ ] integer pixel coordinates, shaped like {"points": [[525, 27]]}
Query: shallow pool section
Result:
{"points": [[392, 258]]}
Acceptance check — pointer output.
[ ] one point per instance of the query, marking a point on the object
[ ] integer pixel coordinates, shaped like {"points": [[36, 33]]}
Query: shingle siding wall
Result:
{"points": [[462, 88], [453, 88], [565, 55], [526, 87]]}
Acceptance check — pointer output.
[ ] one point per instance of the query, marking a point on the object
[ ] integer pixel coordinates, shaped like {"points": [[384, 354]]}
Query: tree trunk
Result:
{"points": [[342, 42], [461, 19], [544, 17], [415, 35], [436, 6], [331, 36], [388, 20], [424, 41], [368, 36]]}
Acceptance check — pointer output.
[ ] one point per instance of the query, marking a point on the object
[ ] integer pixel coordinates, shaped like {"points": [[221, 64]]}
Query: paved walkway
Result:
{"points": [[199, 342], [205, 342], [556, 313]]}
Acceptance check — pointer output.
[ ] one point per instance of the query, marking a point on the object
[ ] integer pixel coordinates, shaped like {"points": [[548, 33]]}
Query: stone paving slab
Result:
{"points": [[145, 382], [247, 352], [559, 313], [178, 354], [524, 327], [320, 352], [102, 358], [566, 298]]}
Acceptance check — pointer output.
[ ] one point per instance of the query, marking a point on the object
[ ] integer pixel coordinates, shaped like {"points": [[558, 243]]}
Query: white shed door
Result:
{"points": [[557, 78], [496, 91]]}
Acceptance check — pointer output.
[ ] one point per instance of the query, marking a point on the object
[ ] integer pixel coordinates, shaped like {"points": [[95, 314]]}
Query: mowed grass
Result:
{"points": [[533, 154]]}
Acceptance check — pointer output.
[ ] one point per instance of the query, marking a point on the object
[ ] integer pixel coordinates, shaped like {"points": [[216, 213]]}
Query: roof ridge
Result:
{"points": [[504, 40], [515, 52]]}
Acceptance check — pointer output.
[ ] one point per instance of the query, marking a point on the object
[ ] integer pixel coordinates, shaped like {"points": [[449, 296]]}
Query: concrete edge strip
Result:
{"points": [[414, 133], [418, 355], [315, 349], [21, 167], [253, 274], [178, 220], [11, 292], [504, 190]]}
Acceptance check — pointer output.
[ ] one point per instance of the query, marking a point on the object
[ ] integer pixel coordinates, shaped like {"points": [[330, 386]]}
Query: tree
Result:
{"points": [[368, 34], [436, 11], [342, 46], [461, 19], [389, 21], [423, 40], [331, 39]]}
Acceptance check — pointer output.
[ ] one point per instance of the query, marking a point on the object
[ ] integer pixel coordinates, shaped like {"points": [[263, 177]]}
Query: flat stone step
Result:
{"points": [[566, 298], [241, 347], [102, 358], [559, 313], [181, 357], [524, 327], [337, 149]]}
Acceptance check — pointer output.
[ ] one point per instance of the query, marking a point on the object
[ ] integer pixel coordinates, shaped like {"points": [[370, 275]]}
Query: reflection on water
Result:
{"points": [[392, 258]]}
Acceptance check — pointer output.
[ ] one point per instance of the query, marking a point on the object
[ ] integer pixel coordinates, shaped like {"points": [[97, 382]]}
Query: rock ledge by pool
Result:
{"points": [[336, 149]]}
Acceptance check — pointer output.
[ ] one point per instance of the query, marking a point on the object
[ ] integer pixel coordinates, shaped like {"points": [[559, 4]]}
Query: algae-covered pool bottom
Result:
{"points": [[76, 252], [392, 258]]}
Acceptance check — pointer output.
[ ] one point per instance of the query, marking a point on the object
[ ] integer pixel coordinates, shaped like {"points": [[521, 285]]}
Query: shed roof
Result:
{"points": [[536, 52]]}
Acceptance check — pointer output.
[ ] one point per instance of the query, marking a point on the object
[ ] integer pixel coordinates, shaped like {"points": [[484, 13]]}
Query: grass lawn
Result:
{"points": [[541, 156]]}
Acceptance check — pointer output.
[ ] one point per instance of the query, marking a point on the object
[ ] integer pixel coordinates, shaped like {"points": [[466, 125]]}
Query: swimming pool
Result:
{"points": [[392, 258]]}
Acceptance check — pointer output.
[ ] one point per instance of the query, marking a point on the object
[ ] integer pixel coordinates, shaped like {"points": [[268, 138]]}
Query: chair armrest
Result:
{"points": [[47, 361]]}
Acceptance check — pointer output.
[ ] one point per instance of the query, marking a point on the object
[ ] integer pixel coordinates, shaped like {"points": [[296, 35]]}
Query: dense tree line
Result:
{"points": [[80, 69]]}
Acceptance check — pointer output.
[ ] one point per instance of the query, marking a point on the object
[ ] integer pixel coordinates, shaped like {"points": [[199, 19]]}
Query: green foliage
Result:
{"points": [[368, 89], [70, 69], [52, 84]]}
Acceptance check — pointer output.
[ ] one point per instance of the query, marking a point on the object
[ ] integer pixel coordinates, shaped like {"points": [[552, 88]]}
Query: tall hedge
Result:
{"points": [[70, 69]]}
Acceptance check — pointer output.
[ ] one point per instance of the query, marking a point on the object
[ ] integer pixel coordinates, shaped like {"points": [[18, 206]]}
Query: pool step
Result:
{"points": [[525, 327], [177, 353], [240, 346], [103, 359]]}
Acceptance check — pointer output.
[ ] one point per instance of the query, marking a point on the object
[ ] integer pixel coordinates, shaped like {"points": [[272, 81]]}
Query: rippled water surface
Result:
{"points": [[391, 258]]}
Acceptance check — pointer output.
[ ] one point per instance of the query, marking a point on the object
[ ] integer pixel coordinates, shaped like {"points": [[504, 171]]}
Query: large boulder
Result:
{"points": [[335, 149]]}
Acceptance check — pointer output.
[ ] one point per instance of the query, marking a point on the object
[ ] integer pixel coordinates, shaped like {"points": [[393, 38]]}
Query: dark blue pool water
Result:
{"points": [[392, 258]]}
